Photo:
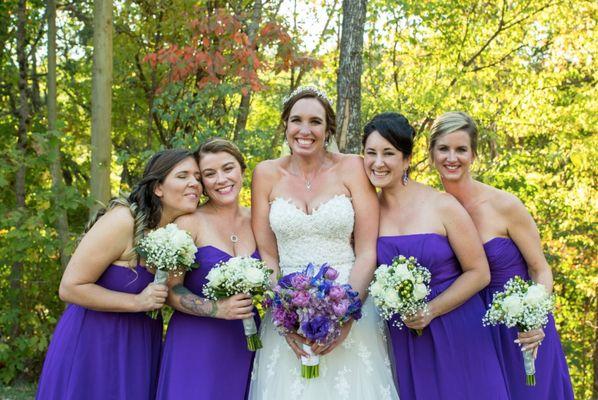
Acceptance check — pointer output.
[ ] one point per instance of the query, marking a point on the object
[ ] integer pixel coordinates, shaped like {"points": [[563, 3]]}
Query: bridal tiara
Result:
{"points": [[301, 89]]}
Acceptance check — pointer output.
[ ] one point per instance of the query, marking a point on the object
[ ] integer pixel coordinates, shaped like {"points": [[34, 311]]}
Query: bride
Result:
{"points": [[319, 207]]}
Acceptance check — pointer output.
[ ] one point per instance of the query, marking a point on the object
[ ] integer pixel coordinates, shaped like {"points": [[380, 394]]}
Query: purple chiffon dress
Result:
{"points": [[455, 357], [552, 374], [204, 358], [104, 355]]}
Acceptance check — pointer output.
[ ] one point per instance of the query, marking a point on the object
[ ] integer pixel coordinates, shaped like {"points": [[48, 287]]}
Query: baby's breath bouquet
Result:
{"points": [[168, 250], [401, 288], [241, 275], [523, 304]]}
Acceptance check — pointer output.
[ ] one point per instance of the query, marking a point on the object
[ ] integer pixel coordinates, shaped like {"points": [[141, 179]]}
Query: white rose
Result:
{"points": [[512, 305], [376, 289], [179, 238], [535, 294], [215, 277], [254, 275], [391, 298], [403, 273], [420, 291]]}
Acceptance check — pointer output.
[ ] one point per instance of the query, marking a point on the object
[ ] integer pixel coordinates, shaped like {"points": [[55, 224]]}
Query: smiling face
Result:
{"points": [[452, 155], [384, 164], [222, 177], [306, 127], [179, 192]]}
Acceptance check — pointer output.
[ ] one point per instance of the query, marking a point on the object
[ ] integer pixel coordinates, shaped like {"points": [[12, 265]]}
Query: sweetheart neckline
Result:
{"points": [[314, 210]]}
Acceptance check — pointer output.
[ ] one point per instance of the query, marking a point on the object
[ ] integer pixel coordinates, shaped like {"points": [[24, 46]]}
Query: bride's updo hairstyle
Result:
{"points": [[144, 205], [451, 122], [393, 127], [310, 92]]}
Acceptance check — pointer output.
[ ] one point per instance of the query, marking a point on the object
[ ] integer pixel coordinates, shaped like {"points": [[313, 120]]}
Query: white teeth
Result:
{"points": [[379, 173], [225, 190], [452, 167], [305, 142]]}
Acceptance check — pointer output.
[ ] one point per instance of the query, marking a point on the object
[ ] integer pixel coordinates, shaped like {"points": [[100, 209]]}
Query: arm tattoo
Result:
{"points": [[194, 304]]}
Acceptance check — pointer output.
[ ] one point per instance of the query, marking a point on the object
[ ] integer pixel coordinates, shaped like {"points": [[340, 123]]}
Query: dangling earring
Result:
{"points": [[405, 178]]}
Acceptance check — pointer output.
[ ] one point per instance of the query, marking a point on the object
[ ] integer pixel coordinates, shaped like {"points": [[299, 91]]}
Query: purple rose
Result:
{"points": [[301, 298], [316, 329], [340, 308], [336, 293], [278, 315], [300, 281], [331, 273]]}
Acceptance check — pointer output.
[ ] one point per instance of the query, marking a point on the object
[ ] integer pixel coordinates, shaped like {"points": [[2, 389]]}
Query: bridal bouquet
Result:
{"points": [[401, 288], [169, 250], [314, 306], [523, 304], [241, 275]]}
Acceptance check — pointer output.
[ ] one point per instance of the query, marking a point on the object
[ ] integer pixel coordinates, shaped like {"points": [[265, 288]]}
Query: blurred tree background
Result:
{"points": [[186, 70]]}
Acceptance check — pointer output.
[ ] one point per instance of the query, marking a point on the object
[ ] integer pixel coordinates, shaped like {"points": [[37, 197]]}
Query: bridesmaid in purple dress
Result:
{"points": [[513, 247], [105, 346], [454, 358], [205, 353]]}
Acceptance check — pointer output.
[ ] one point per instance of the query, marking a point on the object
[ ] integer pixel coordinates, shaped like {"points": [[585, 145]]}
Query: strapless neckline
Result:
{"points": [[315, 209]]}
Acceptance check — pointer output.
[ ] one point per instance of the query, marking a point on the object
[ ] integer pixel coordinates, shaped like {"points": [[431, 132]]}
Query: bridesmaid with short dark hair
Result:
{"points": [[512, 245], [105, 346], [454, 358]]}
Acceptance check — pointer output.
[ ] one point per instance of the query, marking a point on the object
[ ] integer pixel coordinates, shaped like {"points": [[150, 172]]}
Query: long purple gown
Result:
{"points": [[204, 358], [455, 356], [552, 374], [104, 355]]}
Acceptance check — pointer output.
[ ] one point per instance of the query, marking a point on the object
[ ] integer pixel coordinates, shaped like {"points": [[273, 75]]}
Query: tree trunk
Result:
{"points": [[101, 103], [16, 272], [62, 225], [252, 29], [348, 107]]}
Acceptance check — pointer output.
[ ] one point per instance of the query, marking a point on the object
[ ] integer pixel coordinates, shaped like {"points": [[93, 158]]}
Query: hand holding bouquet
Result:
{"points": [[314, 306], [169, 250], [401, 288], [523, 304], [241, 275]]}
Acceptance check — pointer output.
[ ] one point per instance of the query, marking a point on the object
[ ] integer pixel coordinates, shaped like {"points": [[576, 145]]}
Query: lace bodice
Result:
{"points": [[324, 236]]}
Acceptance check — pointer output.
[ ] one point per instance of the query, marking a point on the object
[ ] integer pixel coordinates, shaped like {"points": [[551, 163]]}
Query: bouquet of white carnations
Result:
{"points": [[523, 304], [401, 288], [241, 275], [168, 250]]}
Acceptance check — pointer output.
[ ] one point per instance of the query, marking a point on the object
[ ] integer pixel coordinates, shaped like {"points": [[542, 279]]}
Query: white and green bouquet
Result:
{"points": [[401, 288], [241, 275], [168, 250], [525, 305]]}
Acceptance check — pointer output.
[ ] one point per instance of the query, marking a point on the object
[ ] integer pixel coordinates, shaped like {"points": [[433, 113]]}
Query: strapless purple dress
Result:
{"points": [[552, 374], [203, 357], [455, 357], [104, 355]]}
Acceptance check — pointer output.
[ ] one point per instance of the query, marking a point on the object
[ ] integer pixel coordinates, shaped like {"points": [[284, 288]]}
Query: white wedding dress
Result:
{"points": [[357, 369]]}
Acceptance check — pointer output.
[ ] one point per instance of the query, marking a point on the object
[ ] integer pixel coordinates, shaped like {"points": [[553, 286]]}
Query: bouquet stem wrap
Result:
{"points": [[253, 339], [310, 365], [530, 367], [160, 278]]}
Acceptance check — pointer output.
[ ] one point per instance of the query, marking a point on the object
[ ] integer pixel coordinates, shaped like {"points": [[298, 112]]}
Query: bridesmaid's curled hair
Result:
{"points": [[393, 127]]}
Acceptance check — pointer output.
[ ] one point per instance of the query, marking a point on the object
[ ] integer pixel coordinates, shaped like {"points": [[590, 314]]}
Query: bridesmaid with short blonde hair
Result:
{"points": [[512, 244]]}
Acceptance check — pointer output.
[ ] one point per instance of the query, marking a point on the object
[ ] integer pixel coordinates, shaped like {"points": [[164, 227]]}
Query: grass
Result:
{"points": [[18, 391]]}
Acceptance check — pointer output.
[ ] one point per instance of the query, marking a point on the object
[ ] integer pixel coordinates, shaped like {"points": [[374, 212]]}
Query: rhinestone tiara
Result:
{"points": [[301, 89]]}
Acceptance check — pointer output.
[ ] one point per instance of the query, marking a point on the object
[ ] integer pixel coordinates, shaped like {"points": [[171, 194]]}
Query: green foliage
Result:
{"points": [[526, 71]]}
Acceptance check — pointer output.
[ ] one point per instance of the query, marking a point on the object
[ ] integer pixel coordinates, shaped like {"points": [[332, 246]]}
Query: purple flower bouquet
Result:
{"points": [[314, 306]]}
